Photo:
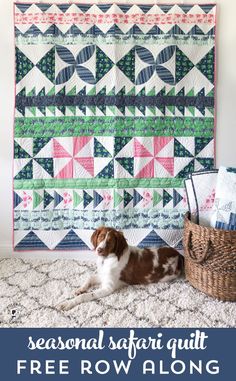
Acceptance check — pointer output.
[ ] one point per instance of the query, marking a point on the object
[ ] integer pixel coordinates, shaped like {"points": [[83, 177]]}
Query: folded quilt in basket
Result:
{"points": [[200, 190], [224, 209]]}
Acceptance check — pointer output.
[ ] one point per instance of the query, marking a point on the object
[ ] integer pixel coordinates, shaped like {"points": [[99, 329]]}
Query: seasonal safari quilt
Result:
{"points": [[114, 108]]}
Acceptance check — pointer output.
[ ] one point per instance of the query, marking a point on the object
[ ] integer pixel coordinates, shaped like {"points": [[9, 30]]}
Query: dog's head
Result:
{"points": [[108, 241]]}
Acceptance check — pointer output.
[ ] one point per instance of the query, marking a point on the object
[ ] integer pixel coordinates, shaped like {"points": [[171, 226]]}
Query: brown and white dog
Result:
{"points": [[119, 264]]}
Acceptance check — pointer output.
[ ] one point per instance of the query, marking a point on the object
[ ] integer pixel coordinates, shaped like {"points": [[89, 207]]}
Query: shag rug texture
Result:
{"points": [[30, 289]]}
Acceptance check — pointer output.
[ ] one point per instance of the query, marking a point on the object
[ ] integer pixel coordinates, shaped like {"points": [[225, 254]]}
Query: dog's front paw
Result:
{"points": [[64, 306], [80, 291]]}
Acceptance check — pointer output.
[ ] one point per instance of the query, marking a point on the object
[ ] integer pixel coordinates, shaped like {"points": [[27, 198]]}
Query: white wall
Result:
{"points": [[226, 106]]}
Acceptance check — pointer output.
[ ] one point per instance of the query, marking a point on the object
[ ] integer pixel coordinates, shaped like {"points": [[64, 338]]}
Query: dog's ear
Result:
{"points": [[121, 244], [95, 235]]}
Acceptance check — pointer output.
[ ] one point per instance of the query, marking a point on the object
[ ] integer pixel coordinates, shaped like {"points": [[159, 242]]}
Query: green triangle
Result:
{"points": [[132, 91], [183, 65], [112, 91], [156, 198], [37, 199], [117, 199], [47, 65], [31, 93], [77, 199], [171, 93], [190, 93], [127, 65], [206, 65], [23, 65], [52, 109], [171, 109], [131, 109], [142, 92], [152, 92], [112, 109], [92, 91], [102, 91], [51, 92], [103, 64], [32, 110], [211, 93], [72, 91], [92, 109], [212, 110], [192, 110], [72, 109], [152, 109]]}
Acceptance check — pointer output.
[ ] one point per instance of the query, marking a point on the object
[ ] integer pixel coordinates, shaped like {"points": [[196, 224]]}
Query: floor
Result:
{"points": [[30, 289]]}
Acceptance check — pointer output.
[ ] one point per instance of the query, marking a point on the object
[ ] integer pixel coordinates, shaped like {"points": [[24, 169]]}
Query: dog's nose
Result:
{"points": [[99, 250]]}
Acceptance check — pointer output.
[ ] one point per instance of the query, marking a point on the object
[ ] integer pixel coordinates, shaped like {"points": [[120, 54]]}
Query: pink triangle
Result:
{"points": [[58, 150], [147, 171], [87, 163], [209, 202], [79, 143], [160, 142], [167, 163], [140, 150], [66, 172]]}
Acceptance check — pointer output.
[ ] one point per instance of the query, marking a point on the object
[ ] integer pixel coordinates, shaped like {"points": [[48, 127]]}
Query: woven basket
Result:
{"points": [[210, 260]]}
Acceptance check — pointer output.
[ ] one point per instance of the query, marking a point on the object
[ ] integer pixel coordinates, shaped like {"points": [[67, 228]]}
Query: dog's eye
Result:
{"points": [[102, 236]]}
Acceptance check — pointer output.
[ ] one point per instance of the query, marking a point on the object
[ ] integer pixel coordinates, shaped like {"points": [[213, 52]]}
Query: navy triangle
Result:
{"points": [[137, 30], [186, 8], [207, 8], [47, 199], [87, 199], [71, 241], [63, 7], [165, 8], [127, 198], [104, 7], [23, 7], [117, 30], [166, 198], [83, 7], [57, 199], [176, 30], [196, 30], [155, 30], [152, 239], [124, 7], [33, 30], [97, 199], [145, 8], [30, 242], [74, 30], [211, 32], [43, 7], [17, 200], [176, 198], [53, 29], [107, 172], [137, 197]]}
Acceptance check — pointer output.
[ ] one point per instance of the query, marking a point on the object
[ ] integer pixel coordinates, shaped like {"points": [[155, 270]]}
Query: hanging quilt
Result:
{"points": [[114, 108]]}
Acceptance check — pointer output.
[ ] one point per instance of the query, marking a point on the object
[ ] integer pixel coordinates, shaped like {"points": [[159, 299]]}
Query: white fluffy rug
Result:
{"points": [[29, 290]]}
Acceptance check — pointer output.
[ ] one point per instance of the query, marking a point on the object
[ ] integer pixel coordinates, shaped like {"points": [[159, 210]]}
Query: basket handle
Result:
{"points": [[190, 253]]}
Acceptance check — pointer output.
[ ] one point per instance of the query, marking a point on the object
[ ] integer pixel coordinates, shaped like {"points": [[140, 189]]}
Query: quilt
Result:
{"points": [[224, 209], [114, 108]]}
